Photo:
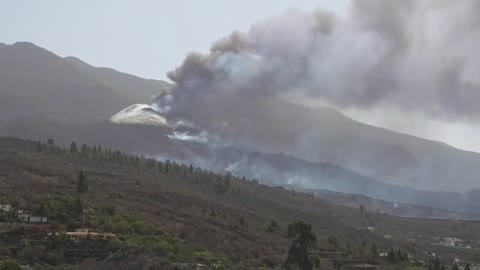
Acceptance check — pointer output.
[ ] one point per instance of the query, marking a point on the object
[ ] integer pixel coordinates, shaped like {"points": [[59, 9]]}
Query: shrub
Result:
{"points": [[10, 265], [272, 225]]}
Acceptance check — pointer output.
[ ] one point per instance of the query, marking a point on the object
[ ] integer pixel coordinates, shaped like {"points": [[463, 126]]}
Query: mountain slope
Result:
{"points": [[37, 83], [43, 95], [285, 170], [325, 135], [190, 205]]}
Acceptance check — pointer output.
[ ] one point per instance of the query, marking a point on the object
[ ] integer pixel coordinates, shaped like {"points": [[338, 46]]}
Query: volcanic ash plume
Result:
{"points": [[414, 55]]}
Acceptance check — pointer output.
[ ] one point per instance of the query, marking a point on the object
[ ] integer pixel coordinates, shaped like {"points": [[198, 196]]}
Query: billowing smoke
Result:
{"points": [[415, 55], [418, 57], [185, 136]]}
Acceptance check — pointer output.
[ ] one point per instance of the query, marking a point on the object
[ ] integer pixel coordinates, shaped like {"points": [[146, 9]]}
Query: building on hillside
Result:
{"points": [[84, 233], [5, 208], [383, 255], [364, 267], [449, 242], [189, 266], [472, 267], [452, 242], [27, 217]]}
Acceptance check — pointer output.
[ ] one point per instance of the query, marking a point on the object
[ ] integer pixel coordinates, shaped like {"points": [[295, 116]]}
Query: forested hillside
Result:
{"points": [[173, 213]]}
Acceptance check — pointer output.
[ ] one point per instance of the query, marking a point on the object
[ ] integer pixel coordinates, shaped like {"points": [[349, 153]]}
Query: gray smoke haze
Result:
{"points": [[415, 55]]}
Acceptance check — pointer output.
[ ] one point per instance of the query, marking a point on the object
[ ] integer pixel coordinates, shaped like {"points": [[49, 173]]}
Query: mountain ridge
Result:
{"points": [[35, 81]]}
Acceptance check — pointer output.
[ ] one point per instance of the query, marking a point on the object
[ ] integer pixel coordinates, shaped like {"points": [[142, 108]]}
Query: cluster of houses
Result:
{"points": [[189, 266], [21, 215], [459, 243]]}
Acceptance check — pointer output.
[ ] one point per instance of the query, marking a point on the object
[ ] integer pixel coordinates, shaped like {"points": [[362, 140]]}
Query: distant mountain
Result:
{"points": [[388, 207], [326, 135], [284, 170], [37, 83]]}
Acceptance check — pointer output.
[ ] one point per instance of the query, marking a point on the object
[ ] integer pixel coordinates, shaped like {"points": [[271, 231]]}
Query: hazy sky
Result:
{"points": [[148, 38], [143, 37]]}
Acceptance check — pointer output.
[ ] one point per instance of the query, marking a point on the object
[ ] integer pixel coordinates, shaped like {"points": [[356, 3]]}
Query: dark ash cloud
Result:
{"points": [[415, 55]]}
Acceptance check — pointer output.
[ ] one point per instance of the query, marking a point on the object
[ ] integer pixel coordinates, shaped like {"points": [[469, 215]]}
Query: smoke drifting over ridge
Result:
{"points": [[415, 55]]}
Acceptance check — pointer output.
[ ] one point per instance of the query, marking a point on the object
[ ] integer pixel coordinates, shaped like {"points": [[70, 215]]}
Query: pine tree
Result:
{"points": [[190, 169], [167, 166], [373, 252], [73, 148], [82, 185], [436, 265], [303, 240], [391, 257], [84, 150], [39, 146], [50, 142], [160, 167]]}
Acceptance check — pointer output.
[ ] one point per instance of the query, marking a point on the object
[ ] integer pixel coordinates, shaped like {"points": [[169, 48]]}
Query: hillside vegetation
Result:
{"points": [[168, 213]]}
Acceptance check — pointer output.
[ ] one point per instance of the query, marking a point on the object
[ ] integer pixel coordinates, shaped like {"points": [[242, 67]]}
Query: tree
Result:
{"points": [[84, 150], [73, 148], [50, 142], [401, 256], [391, 257], [373, 252], [303, 241], [228, 183], [167, 166], [160, 167], [333, 242], [39, 146], [41, 211], [467, 266], [436, 265], [455, 266], [82, 184], [12, 215], [190, 169], [476, 257], [272, 225], [51, 145]]}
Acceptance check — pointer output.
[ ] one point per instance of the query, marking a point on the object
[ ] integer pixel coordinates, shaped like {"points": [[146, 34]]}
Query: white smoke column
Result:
{"points": [[414, 55], [202, 137]]}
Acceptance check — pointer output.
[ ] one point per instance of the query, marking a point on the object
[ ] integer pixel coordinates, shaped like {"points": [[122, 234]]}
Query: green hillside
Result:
{"points": [[165, 213]]}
